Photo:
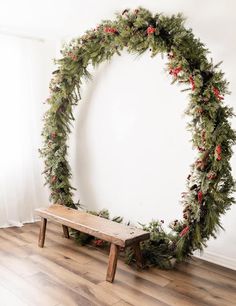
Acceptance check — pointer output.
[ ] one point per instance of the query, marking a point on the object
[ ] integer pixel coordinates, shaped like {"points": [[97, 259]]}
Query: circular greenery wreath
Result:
{"points": [[210, 183]]}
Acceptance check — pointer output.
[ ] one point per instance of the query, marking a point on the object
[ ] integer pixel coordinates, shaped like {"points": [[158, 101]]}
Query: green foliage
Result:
{"points": [[159, 250], [210, 183]]}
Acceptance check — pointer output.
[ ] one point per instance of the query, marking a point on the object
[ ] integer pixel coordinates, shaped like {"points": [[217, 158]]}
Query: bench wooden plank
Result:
{"points": [[119, 235], [112, 263], [116, 233], [42, 233]]}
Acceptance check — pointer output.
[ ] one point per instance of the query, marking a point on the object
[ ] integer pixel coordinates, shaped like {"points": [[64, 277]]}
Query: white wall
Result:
{"points": [[130, 150]]}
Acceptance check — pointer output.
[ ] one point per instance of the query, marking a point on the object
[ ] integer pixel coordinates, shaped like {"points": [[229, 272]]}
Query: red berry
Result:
{"points": [[110, 30], [99, 242], [53, 135], [150, 30], [211, 175], [191, 80], [200, 197], [53, 179], [218, 149], [175, 71], [217, 93], [184, 231]]}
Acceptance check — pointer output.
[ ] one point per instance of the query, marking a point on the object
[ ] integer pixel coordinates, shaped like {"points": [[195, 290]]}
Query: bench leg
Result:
{"points": [[112, 263], [42, 232], [66, 231], [138, 255]]}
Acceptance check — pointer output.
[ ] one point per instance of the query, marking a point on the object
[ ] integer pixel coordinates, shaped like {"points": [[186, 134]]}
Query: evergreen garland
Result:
{"points": [[210, 183]]}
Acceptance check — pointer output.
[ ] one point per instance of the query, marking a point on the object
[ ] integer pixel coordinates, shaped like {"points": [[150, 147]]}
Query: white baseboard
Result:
{"points": [[221, 260]]}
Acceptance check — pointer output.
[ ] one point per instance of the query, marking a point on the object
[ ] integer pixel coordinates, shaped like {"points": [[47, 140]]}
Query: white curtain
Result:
{"points": [[25, 66]]}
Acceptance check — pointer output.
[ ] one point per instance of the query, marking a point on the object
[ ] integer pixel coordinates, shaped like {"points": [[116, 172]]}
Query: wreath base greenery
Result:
{"points": [[156, 252], [209, 184]]}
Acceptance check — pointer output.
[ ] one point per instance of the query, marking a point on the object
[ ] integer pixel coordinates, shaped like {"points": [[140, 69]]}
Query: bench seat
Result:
{"points": [[119, 235]]}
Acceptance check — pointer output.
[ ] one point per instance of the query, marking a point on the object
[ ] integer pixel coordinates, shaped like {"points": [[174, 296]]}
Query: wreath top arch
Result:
{"points": [[210, 183]]}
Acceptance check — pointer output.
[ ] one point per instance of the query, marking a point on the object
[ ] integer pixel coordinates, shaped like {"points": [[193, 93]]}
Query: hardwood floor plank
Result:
{"points": [[72, 253], [98, 270], [131, 295], [217, 300], [20, 266], [122, 303], [211, 276], [92, 254], [200, 294], [11, 237], [161, 294], [8, 248], [229, 273], [151, 288], [211, 285], [65, 274], [9, 299], [23, 289], [58, 292], [75, 280]]}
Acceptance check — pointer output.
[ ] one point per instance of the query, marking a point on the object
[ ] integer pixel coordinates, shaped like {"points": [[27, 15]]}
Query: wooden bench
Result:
{"points": [[119, 235]]}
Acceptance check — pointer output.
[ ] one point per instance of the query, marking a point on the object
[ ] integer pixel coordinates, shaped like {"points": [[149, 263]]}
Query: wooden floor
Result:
{"points": [[64, 274]]}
